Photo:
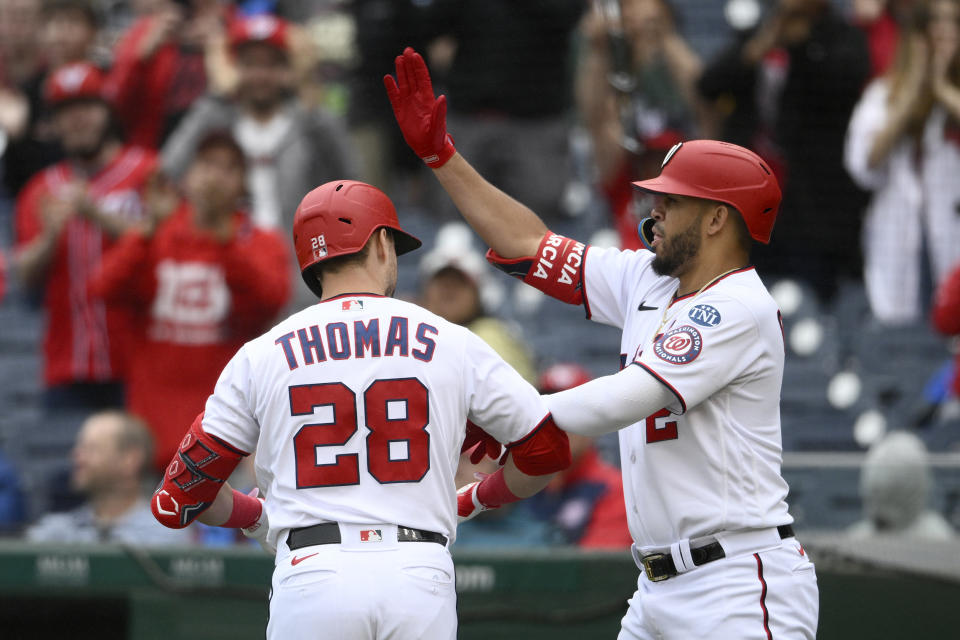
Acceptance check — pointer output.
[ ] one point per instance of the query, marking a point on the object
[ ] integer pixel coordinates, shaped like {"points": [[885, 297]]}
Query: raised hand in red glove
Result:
{"points": [[422, 116], [481, 442]]}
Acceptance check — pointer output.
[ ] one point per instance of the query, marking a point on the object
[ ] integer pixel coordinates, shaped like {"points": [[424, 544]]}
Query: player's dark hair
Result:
{"points": [[744, 239], [339, 263]]}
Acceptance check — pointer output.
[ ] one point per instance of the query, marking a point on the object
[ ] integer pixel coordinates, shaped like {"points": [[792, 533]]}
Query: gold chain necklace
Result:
{"points": [[663, 318]]}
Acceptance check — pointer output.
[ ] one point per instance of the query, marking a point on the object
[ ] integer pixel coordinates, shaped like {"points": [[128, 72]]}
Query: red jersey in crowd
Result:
{"points": [[86, 339], [197, 300], [584, 504], [607, 527], [946, 315], [149, 94]]}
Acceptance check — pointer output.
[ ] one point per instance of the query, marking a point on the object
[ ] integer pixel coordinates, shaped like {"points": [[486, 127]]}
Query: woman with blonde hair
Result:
{"points": [[903, 144]]}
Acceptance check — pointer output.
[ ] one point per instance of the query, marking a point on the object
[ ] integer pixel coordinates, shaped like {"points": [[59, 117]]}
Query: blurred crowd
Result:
{"points": [[153, 153]]}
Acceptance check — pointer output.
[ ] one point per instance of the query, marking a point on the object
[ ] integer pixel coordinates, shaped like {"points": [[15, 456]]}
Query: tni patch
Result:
{"points": [[705, 315]]}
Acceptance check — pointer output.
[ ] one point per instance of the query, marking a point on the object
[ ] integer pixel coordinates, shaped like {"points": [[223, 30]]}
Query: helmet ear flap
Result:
{"points": [[312, 280]]}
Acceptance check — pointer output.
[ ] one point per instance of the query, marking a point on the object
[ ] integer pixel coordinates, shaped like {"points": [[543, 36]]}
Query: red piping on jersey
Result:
{"points": [[353, 295], [749, 267], [583, 282], [226, 444], [763, 597], [547, 418], [683, 404]]}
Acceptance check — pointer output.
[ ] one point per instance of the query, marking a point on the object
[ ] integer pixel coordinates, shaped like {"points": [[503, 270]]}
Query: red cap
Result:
{"points": [[262, 28], [561, 377], [76, 81]]}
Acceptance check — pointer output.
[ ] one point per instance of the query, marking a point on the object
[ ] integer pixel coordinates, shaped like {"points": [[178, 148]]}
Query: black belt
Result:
{"points": [[659, 566], [329, 533]]}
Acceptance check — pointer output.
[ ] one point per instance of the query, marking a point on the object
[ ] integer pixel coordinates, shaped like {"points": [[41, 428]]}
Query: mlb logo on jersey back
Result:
{"points": [[370, 535], [350, 305], [679, 346]]}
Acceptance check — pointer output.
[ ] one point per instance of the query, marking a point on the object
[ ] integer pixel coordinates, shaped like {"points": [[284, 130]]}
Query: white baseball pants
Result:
{"points": [[768, 595], [372, 590]]}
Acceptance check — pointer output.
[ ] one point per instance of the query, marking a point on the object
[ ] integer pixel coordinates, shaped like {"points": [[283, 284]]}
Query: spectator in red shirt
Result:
{"points": [[946, 315], [66, 216], [201, 280], [159, 67], [290, 146]]}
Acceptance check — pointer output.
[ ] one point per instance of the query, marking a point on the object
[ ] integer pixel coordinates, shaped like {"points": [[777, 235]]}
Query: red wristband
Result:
{"points": [[246, 511], [438, 159], [493, 491]]}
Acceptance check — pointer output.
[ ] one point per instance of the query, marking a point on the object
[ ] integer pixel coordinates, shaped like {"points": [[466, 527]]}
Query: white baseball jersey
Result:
{"points": [[711, 460], [356, 408]]}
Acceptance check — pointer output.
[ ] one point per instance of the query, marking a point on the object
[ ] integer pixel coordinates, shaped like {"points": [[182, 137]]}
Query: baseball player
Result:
{"points": [[356, 409], [697, 397]]}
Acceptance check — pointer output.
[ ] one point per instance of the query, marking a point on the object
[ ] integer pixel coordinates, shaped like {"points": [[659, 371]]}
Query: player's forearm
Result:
{"points": [[521, 484], [220, 509], [507, 226], [610, 403]]}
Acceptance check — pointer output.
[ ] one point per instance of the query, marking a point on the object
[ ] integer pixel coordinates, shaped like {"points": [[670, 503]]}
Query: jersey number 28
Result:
{"points": [[398, 445]]}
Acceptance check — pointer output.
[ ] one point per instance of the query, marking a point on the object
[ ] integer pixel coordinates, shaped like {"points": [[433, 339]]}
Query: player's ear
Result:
{"points": [[386, 241], [718, 217]]}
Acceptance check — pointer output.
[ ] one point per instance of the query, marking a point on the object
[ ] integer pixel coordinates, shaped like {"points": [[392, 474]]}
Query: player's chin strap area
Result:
{"points": [[645, 231]]}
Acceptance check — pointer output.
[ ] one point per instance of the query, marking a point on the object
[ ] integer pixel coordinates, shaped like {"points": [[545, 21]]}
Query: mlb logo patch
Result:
{"points": [[319, 246], [370, 535], [350, 305]]}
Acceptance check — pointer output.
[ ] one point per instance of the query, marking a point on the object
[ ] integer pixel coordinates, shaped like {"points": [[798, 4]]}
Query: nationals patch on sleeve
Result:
{"points": [[679, 346]]}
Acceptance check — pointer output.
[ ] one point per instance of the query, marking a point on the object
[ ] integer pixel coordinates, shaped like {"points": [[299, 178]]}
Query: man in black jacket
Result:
{"points": [[786, 90]]}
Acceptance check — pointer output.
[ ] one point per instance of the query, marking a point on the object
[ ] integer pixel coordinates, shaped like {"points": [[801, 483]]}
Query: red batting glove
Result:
{"points": [[421, 116], [260, 526], [468, 504], [490, 492], [481, 442]]}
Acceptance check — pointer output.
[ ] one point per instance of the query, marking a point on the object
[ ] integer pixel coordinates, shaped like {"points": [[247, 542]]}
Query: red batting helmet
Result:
{"points": [[77, 81], [337, 219], [725, 172], [561, 377]]}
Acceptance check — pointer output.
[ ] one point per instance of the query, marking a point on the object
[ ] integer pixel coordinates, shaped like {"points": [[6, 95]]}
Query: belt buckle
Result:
{"points": [[646, 560]]}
